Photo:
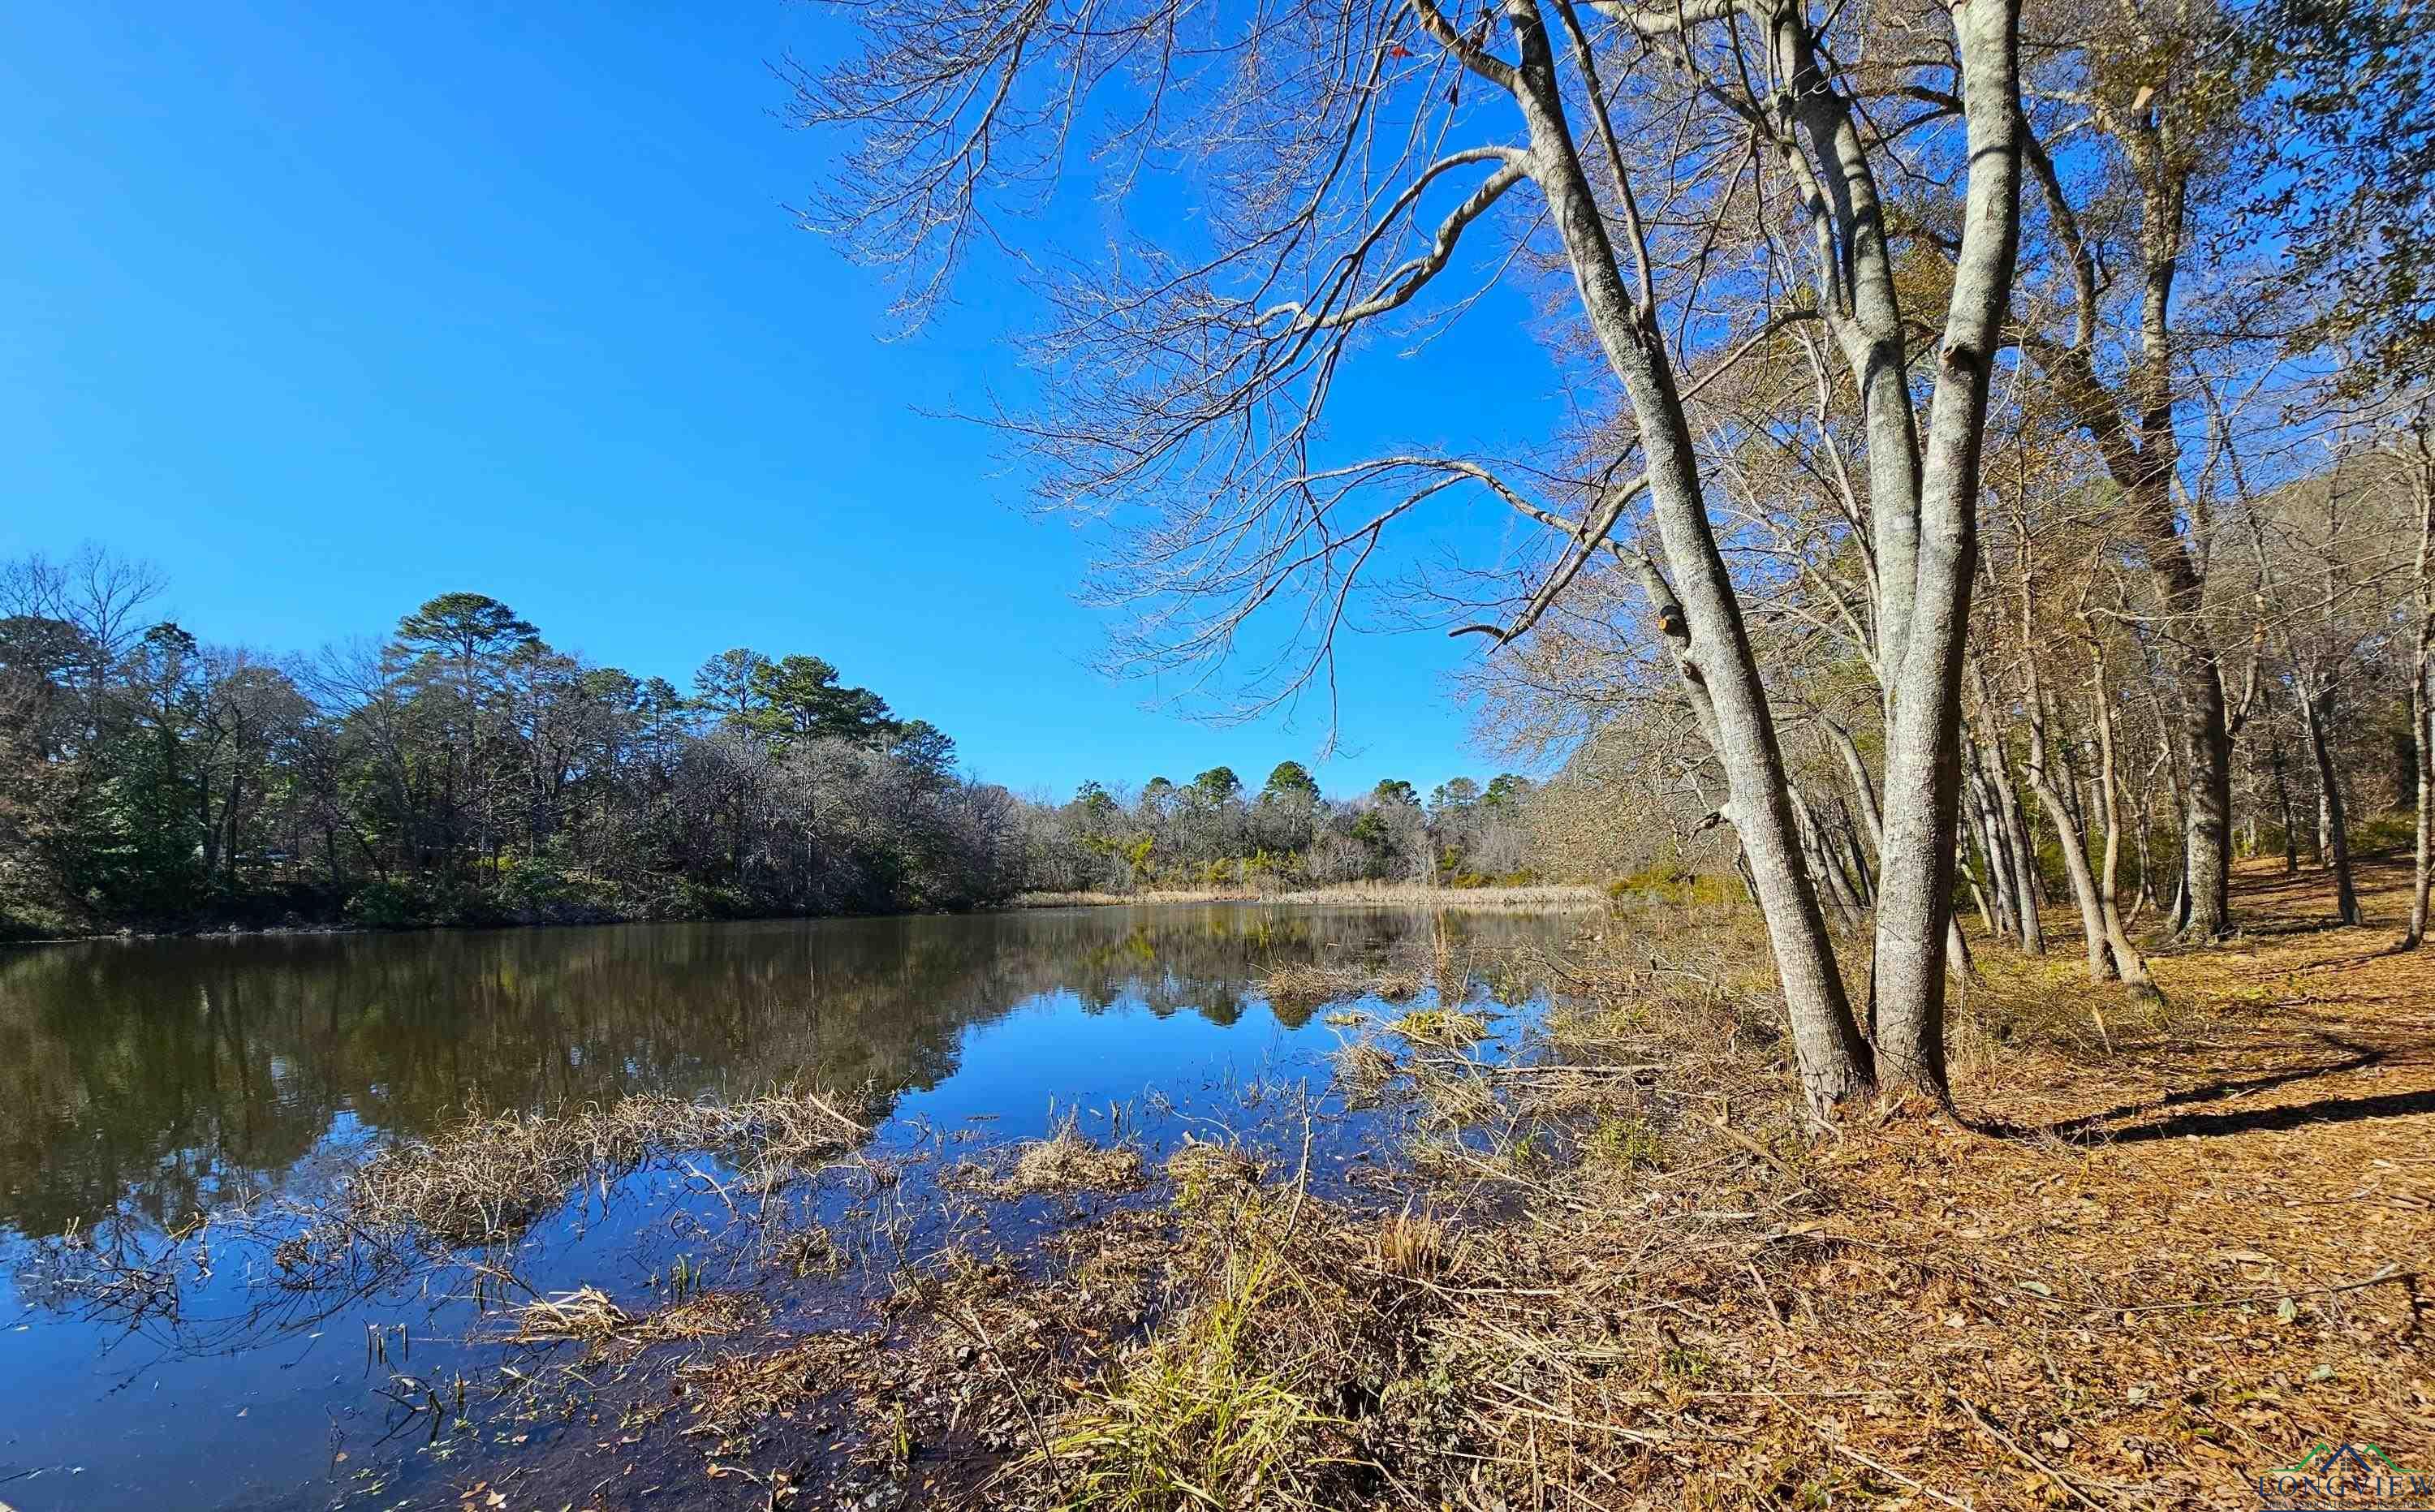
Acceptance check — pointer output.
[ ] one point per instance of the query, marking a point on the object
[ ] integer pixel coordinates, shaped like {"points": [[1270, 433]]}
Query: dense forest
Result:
{"points": [[464, 770], [460, 770]]}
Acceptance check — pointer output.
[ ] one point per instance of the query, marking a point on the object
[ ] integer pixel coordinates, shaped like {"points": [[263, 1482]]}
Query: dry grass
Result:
{"points": [[735, 1394], [2152, 1257], [1197, 1419], [588, 1315], [1412, 1246], [1363, 1068], [1197, 1165], [1544, 898], [1441, 1028], [1309, 984], [485, 1178], [1067, 1162], [2144, 1262]]}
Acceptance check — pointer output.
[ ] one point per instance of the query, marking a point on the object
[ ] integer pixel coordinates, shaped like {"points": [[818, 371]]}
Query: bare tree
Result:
{"points": [[2416, 447], [2161, 92], [1192, 371]]}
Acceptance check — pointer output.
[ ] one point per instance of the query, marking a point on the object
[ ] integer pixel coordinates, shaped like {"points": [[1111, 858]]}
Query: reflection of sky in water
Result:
{"points": [[144, 1081]]}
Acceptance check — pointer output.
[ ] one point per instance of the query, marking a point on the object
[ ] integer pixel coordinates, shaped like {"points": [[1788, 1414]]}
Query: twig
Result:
{"points": [[1849, 1452], [971, 1323], [1752, 1146], [2041, 1466], [2390, 1273], [1766, 1298], [1302, 1178]]}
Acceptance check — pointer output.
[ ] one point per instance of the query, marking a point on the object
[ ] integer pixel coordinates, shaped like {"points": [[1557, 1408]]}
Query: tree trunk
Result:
{"points": [[2024, 860], [2422, 686], [2319, 701], [1924, 741], [1711, 651], [2422, 725], [2074, 846], [2206, 848], [2282, 801], [2127, 962], [1998, 857]]}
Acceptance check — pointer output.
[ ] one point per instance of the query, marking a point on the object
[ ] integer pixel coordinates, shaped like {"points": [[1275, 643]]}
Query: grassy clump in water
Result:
{"points": [[1067, 1162], [1308, 984], [487, 1176], [588, 1315], [1200, 1168], [1441, 1028]]}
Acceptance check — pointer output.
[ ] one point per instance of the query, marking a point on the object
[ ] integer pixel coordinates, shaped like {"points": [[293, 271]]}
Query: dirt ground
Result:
{"points": [[2141, 1277]]}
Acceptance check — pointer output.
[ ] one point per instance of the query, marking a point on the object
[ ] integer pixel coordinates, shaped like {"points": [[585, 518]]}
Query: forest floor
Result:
{"points": [[2161, 1251]]}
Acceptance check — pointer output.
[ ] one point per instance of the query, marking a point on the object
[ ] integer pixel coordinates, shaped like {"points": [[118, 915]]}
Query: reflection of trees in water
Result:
{"points": [[155, 1079]]}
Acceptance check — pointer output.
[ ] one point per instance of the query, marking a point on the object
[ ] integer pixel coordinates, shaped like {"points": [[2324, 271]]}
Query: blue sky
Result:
{"points": [[328, 309]]}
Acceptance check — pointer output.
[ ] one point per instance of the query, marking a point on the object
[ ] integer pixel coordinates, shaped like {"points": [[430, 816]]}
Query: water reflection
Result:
{"points": [[148, 1081]]}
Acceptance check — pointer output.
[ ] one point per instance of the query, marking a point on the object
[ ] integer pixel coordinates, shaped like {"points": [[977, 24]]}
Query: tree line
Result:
{"points": [[1211, 832], [458, 770], [464, 770], [1988, 461]]}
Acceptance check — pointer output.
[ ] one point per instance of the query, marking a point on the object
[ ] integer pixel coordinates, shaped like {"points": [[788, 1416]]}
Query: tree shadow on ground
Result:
{"points": [[2281, 1116], [2094, 1127]]}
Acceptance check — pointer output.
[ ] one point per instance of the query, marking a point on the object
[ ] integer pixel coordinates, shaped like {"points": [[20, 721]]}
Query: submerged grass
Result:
{"points": [[487, 1176]]}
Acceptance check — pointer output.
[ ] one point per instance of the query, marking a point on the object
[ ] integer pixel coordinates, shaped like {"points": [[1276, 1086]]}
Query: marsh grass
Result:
{"points": [[489, 1175], [1627, 1273], [588, 1315], [1536, 898], [1363, 1068], [1196, 1419], [1413, 1247], [1441, 1028], [1068, 1162], [1309, 984], [1201, 1167]]}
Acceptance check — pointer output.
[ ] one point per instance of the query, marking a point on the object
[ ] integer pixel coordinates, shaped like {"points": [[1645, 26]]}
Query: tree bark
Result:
{"points": [[1924, 741], [1711, 651], [2422, 684], [2318, 698]]}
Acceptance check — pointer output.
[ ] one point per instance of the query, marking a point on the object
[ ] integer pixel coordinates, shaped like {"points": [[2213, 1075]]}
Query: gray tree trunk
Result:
{"points": [[1712, 652], [1923, 742], [2422, 686], [2318, 697]]}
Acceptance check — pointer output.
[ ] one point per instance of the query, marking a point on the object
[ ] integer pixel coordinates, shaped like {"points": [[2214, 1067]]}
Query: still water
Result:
{"points": [[145, 1084]]}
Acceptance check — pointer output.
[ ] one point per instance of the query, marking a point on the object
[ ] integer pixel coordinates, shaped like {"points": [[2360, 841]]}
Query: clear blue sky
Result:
{"points": [[327, 309]]}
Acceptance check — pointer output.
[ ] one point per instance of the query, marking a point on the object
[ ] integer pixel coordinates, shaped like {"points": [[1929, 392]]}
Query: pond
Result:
{"points": [[146, 1362]]}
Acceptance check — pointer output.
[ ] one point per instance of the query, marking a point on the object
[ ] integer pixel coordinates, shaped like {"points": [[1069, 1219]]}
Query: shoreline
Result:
{"points": [[1536, 898], [1611, 1255], [1549, 897]]}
